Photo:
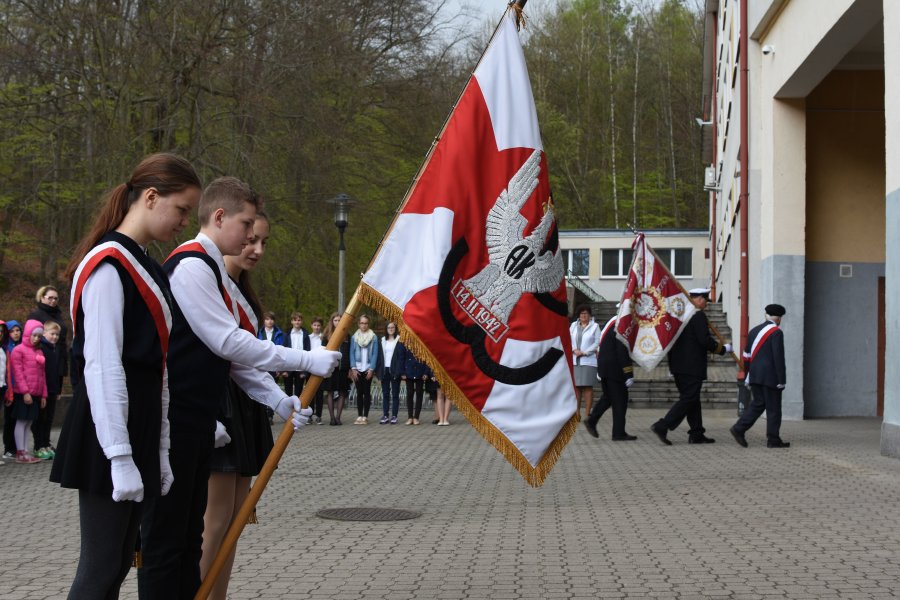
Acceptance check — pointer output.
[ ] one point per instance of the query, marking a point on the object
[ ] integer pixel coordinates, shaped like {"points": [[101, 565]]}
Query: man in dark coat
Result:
{"points": [[766, 376], [687, 362], [616, 375]]}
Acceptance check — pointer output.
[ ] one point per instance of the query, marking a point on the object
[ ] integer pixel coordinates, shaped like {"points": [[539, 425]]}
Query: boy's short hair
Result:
{"points": [[296, 315], [51, 326], [318, 320], [229, 193], [269, 315]]}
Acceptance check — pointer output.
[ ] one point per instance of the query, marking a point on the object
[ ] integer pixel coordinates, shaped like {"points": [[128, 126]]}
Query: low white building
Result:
{"points": [[600, 258]]}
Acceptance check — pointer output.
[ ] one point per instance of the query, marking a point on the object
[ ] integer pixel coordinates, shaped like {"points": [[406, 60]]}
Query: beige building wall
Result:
{"points": [[846, 162]]}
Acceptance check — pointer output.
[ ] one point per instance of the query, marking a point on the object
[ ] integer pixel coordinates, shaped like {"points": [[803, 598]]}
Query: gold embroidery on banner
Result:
{"points": [[650, 307], [648, 344]]}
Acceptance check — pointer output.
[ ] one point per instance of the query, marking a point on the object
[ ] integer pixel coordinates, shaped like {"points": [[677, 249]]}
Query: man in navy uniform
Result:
{"points": [[766, 376], [616, 375], [687, 362]]}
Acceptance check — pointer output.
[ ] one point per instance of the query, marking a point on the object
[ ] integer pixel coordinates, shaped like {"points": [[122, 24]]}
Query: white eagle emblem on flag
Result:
{"points": [[517, 264]]}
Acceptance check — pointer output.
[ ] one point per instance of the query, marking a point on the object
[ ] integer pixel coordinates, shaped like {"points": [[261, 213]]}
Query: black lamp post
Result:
{"points": [[342, 204]]}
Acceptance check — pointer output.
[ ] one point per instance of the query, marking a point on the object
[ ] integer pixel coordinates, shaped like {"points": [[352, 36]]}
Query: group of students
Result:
{"points": [[33, 362], [365, 356], [167, 422]]}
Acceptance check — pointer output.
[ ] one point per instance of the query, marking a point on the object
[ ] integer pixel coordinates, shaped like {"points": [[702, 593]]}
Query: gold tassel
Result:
{"points": [[252, 520], [535, 476], [137, 562], [521, 19]]}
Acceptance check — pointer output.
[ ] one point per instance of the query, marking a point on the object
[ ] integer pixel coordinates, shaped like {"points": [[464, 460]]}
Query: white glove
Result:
{"points": [[301, 418], [221, 436], [728, 348], [289, 409], [629, 382], [319, 362], [780, 386], [126, 480], [165, 473]]}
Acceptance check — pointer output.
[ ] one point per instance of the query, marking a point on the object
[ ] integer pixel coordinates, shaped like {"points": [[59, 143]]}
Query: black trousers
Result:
{"points": [[687, 406], [363, 394], [414, 387], [40, 429], [615, 395], [9, 426], [764, 399], [293, 383], [108, 533], [172, 525]]}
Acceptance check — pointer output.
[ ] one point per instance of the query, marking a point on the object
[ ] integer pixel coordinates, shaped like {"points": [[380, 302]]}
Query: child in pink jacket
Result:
{"points": [[29, 386]]}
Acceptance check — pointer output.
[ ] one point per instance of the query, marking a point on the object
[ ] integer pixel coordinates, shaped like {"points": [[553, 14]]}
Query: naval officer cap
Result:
{"points": [[775, 310], [699, 292]]}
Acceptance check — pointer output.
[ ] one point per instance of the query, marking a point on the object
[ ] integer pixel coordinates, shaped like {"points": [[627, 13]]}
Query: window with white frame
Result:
{"points": [[577, 261], [615, 263], [677, 260]]}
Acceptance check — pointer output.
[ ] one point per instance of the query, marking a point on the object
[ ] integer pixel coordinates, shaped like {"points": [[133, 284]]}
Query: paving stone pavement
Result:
{"points": [[614, 520]]}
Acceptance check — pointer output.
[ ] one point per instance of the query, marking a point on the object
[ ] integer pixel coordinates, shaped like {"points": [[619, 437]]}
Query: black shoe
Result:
{"points": [[624, 438], [700, 439], [777, 444], [591, 427], [738, 437], [660, 431]]}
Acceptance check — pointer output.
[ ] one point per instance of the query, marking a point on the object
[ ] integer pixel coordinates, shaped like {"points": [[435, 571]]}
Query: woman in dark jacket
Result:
{"points": [[47, 299]]}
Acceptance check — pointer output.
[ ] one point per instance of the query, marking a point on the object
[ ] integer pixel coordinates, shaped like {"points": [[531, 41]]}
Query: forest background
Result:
{"points": [[307, 99]]}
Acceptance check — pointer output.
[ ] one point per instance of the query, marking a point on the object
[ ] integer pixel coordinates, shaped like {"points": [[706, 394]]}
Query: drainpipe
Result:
{"points": [[715, 155], [745, 177]]}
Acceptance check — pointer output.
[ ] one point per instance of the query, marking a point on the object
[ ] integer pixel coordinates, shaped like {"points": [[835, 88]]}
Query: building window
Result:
{"points": [[615, 263], [577, 261], [677, 260]]}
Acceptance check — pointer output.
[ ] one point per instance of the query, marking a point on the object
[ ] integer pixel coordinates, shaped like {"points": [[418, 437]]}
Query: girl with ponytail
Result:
{"points": [[114, 443]]}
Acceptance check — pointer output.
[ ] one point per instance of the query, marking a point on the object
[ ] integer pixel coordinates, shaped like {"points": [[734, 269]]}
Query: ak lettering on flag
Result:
{"points": [[654, 307], [472, 272]]}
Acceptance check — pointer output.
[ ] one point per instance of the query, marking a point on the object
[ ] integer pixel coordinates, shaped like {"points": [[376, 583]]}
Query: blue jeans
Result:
{"points": [[390, 394]]}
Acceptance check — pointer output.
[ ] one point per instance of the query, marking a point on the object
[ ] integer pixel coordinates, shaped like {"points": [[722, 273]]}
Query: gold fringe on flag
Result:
{"points": [[252, 520], [533, 475], [138, 561]]}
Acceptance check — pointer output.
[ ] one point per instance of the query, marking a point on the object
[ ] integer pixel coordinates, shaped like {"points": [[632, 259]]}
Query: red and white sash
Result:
{"points": [[194, 246], [761, 338], [150, 291]]}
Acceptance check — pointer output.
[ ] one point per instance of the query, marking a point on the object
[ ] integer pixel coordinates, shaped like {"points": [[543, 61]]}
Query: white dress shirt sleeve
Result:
{"points": [[198, 295], [103, 305]]}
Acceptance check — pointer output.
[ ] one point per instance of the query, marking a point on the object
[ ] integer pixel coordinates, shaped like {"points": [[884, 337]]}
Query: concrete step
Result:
{"points": [[664, 392]]}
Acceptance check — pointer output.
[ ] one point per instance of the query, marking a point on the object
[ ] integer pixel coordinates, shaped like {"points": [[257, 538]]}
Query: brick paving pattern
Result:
{"points": [[614, 520]]}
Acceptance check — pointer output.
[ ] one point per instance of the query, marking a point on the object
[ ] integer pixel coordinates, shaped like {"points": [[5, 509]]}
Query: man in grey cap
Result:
{"points": [[687, 362], [766, 376]]}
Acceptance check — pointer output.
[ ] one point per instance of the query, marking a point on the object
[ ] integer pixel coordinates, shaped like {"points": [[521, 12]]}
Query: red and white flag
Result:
{"points": [[654, 307], [472, 271]]}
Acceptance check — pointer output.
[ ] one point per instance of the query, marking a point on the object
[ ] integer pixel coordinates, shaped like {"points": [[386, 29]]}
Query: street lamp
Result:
{"points": [[342, 204]]}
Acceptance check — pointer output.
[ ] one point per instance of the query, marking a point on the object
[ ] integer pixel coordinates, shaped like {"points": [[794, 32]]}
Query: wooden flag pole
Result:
{"points": [[259, 485], [712, 327]]}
